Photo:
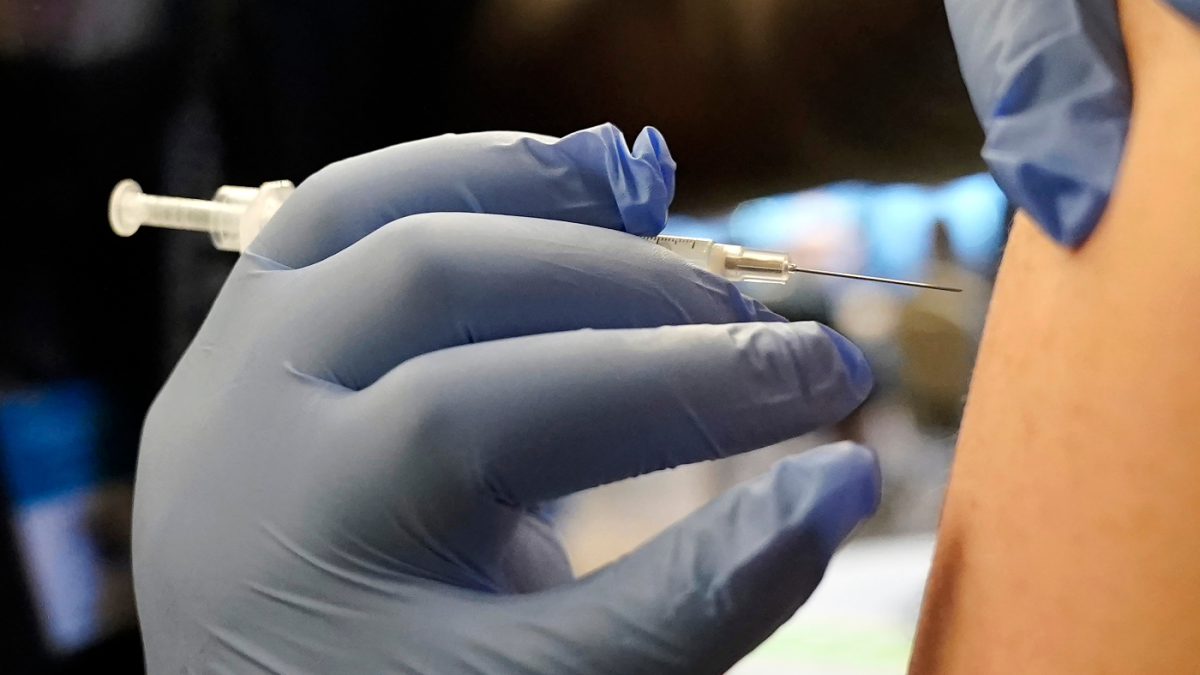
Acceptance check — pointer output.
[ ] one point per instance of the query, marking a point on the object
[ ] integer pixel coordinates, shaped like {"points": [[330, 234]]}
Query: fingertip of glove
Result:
{"points": [[861, 464], [849, 482], [650, 143], [858, 371], [642, 180]]}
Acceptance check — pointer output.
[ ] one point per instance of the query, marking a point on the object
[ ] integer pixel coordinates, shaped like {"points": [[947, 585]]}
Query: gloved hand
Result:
{"points": [[343, 473], [1050, 83]]}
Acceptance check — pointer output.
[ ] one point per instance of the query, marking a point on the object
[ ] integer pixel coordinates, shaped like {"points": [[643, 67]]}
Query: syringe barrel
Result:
{"points": [[189, 214], [129, 209], [699, 252]]}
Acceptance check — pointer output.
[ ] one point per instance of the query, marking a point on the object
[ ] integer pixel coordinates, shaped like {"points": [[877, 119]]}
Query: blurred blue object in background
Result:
{"points": [[797, 217], [893, 222], [49, 437], [898, 220], [973, 210]]}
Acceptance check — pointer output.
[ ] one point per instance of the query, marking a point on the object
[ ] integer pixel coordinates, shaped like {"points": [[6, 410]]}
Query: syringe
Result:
{"points": [[738, 263], [236, 214], [233, 218]]}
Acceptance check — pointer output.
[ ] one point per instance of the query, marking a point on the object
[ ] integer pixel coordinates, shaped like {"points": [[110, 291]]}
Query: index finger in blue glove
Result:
{"points": [[528, 419], [588, 177], [439, 280]]}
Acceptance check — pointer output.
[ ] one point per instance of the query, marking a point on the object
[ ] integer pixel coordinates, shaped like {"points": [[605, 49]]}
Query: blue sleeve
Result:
{"points": [[1050, 83]]}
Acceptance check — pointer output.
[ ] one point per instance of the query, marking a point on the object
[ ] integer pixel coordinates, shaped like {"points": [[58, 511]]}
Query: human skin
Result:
{"points": [[1069, 541]]}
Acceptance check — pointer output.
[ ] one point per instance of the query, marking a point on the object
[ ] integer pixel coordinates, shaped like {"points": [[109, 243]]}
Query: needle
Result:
{"points": [[899, 282]]}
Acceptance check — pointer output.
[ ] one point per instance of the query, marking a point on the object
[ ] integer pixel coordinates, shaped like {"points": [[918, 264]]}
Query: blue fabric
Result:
{"points": [[343, 473], [1050, 83], [1188, 8]]}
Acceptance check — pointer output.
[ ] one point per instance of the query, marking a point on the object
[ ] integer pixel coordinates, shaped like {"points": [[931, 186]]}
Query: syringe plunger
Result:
{"points": [[233, 217]]}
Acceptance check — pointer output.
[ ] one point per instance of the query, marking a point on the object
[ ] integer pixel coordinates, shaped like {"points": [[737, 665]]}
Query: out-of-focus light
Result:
{"points": [[884, 230], [898, 220], [817, 228], [49, 437], [973, 210]]}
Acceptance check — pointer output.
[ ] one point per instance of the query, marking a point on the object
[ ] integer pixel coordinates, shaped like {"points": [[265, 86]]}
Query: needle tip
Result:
{"points": [[862, 277]]}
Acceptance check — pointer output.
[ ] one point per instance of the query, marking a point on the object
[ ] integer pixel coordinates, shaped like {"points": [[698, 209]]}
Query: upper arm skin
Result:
{"points": [[1070, 539]]}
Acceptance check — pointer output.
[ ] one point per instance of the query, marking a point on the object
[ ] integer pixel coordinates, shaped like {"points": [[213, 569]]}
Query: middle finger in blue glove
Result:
{"points": [[525, 420]]}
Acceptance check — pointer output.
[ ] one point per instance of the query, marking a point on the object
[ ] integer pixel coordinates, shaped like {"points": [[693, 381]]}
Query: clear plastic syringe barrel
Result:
{"points": [[735, 263]]}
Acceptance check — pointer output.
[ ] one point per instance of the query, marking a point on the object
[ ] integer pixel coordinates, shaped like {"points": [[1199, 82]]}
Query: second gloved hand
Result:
{"points": [[343, 474]]}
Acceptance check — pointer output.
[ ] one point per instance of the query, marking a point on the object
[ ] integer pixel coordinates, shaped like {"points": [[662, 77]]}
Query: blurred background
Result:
{"points": [[837, 130]]}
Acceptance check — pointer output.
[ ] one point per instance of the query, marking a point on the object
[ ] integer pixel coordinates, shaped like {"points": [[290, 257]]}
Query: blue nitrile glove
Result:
{"points": [[343, 472], [1050, 83]]}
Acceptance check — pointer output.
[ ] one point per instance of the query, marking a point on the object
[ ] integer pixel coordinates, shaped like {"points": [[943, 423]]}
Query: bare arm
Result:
{"points": [[1071, 532]]}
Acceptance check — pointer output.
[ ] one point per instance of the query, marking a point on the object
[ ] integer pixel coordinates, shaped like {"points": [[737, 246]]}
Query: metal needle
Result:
{"points": [[898, 282]]}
